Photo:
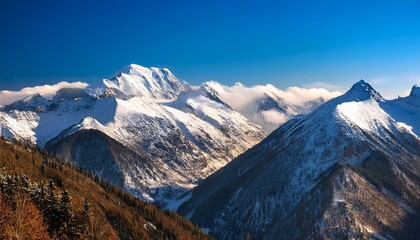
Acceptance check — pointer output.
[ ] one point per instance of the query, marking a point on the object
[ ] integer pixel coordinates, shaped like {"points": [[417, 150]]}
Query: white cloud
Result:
{"points": [[298, 96], [7, 97], [239, 96], [274, 117], [327, 86]]}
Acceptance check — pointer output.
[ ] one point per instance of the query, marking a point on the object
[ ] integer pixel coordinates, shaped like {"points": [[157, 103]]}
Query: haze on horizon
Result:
{"points": [[284, 43]]}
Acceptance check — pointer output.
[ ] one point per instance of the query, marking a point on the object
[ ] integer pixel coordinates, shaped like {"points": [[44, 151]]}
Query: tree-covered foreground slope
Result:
{"points": [[42, 197]]}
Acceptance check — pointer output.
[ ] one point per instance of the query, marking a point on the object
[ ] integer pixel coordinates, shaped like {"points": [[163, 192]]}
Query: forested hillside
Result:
{"points": [[43, 197]]}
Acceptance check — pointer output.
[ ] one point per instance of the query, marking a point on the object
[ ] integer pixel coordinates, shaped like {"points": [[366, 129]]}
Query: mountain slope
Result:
{"points": [[346, 204], [180, 148], [291, 176], [111, 212]]}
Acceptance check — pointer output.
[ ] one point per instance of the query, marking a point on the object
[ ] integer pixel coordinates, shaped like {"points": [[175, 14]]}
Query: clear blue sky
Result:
{"points": [[255, 42]]}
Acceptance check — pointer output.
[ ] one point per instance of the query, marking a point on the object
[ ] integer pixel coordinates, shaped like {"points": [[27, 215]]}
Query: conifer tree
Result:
{"points": [[65, 207], [51, 210]]}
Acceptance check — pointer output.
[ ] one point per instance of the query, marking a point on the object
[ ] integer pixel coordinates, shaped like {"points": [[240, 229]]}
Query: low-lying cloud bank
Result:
{"points": [[246, 100], [240, 96], [7, 97], [274, 117]]}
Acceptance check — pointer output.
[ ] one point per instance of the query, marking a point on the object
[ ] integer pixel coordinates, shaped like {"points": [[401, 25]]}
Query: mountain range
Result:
{"points": [[348, 170], [142, 129], [241, 161]]}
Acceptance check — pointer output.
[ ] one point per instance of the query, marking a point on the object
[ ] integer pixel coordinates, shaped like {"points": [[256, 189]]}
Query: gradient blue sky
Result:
{"points": [[285, 43]]}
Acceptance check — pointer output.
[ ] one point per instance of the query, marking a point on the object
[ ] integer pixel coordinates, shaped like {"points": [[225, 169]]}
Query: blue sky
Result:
{"points": [[285, 43]]}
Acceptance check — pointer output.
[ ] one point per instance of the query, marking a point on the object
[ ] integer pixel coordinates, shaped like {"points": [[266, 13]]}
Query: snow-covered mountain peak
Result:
{"points": [[86, 123], [361, 91], [135, 69], [194, 93], [415, 91], [34, 102], [130, 69], [267, 102], [35, 97], [135, 80], [212, 95]]}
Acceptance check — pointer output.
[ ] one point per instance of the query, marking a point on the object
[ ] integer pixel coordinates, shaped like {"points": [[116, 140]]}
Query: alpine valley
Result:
{"points": [[142, 129]]}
